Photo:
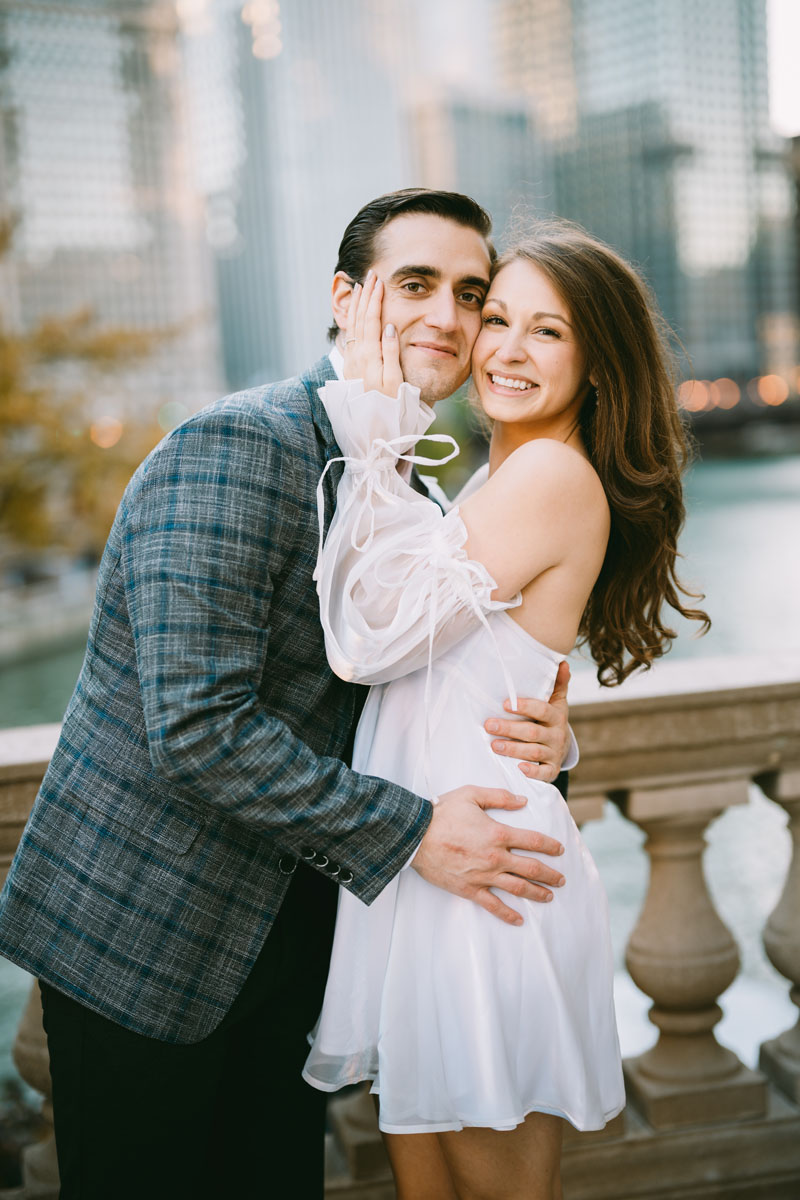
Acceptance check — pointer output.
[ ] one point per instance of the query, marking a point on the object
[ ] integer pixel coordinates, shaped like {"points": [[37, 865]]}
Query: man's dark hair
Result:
{"points": [[357, 248]]}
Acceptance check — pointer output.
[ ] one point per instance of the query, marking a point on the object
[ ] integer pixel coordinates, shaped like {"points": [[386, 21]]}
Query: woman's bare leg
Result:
{"points": [[517, 1164], [419, 1167]]}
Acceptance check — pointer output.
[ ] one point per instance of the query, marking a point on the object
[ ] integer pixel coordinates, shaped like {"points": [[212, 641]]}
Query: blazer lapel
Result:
{"points": [[313, 379]]}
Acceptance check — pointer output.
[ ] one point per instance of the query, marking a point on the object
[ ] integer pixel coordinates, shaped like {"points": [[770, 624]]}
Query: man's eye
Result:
{"points": [[414, 286], [472, 298]]}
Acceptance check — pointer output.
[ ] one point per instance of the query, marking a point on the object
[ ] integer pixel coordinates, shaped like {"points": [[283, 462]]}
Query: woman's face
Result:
{"points": [[526, 364]]}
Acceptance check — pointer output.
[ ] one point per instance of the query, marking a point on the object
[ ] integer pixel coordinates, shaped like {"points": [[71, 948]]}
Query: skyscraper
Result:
{"points": [[670, 157], [95, 169], [320, 127]]}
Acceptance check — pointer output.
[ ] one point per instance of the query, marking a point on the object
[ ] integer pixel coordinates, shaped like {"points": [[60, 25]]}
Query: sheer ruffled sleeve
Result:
{"points": [[395, 584]]}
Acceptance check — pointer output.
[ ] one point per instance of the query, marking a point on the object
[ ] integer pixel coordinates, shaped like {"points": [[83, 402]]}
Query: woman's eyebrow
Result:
{"points": [[537, 316]]}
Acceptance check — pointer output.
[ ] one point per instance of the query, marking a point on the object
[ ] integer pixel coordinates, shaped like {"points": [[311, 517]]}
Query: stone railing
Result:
{"points": [[673, 750]]}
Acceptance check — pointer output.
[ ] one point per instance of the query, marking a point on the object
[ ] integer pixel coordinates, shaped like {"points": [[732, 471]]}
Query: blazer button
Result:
{"points": [[321, 860], [308, 853], [333, 868], [346, 876], [287, 864]]}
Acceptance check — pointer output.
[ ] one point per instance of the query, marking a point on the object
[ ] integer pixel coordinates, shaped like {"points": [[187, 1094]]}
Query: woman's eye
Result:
{"points": [[550, 332], [491, 319]]}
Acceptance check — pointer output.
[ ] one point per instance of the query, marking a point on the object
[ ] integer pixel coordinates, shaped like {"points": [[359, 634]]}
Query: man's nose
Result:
{"points": [[442, 312]]}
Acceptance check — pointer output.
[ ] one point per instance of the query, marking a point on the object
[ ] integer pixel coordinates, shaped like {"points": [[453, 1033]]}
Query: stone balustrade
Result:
{"points": [[673, 750]]}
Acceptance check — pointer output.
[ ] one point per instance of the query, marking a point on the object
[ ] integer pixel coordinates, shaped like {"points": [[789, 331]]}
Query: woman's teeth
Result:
{"points": [[521, 385]]}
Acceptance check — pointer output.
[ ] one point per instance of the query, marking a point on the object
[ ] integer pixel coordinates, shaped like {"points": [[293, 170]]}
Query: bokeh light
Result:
{"points": [[724, 393], [773, 389], [693, 395], [105, 432], [263, 17]]}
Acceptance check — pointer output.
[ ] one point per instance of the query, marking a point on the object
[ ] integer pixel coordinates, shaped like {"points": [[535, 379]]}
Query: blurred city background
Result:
{"points": [[174, 181]]}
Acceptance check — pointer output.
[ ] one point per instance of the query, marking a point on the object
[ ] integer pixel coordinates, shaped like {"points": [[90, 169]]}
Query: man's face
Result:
{"points": [[435, 274]]}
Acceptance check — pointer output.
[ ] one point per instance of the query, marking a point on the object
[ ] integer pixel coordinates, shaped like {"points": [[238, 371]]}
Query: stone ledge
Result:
{"points": [[746, 1160], [26, 751], [695, 723], [741, 1160]]}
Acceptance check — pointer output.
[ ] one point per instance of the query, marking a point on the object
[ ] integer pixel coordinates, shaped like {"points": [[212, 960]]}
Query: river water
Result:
{"points": [[741, 547]]}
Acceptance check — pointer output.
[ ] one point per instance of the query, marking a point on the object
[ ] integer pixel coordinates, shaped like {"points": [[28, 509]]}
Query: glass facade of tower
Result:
{"points": [[94, 170], [203, 157], [662, 146]]}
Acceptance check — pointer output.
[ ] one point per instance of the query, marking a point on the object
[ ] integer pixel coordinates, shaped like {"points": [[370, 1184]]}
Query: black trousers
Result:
{"points": [[229, 1116]]}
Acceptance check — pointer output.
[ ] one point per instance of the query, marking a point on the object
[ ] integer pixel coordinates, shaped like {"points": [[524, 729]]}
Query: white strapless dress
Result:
{"points": [[457, 1018]]}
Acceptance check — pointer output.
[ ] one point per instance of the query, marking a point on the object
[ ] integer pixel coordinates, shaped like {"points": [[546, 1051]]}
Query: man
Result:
{"points": [[175, 887]]}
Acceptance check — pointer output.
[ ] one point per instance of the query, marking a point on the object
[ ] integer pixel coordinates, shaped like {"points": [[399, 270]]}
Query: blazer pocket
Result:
{"points": [[152, 822]]}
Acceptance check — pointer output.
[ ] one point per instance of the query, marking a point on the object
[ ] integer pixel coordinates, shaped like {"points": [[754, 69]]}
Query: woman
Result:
{"points": [[480, 1038]]}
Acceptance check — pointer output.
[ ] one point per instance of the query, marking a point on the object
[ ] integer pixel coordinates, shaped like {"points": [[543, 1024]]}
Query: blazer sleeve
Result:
{"points": [[212, 505]]}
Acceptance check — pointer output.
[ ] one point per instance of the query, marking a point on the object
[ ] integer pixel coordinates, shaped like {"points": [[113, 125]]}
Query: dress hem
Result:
{"points": [[500, 1126], [455, 1126]]}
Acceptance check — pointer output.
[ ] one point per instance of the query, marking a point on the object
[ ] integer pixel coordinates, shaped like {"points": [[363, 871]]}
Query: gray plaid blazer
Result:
{"points": [[201, 752]]}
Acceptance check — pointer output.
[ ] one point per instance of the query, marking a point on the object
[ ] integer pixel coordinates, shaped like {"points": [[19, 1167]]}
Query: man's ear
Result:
{"points": [[341, 291]]}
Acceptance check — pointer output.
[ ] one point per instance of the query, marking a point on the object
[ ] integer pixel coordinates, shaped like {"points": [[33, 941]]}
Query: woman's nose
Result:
{"points": [[510, 349]]}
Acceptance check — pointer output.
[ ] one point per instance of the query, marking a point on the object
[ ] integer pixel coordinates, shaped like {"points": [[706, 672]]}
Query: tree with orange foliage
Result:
{"points": [[62, 471]]}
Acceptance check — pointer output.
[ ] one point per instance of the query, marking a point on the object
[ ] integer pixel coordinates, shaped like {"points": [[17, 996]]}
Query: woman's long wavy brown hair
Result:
{"points": [[634, 435]]}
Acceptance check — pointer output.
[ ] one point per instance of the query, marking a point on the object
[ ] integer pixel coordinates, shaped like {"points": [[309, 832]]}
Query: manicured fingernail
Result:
{"points": [[523, 799], [548, 897], [507, 706], [526, 770], [390, 331], [493, 726], [499, 747], [370, 273]]}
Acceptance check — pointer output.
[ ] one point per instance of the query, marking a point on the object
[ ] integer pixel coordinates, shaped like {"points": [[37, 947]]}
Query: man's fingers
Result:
{"points": [[519, 731], [523, 889], [529, 751], [533, 710], [546, 772], [495, 906], [530, 871], [511, 837], [562, 681], [498, 798]]}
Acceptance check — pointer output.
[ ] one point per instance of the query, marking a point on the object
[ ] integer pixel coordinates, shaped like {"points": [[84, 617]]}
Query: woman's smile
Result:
{"points": [[503, 383]]}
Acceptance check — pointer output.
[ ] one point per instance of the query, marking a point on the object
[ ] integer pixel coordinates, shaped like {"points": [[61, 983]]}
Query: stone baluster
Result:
{"points": [[39, 1161], [24, 755], [780, 1057], [683, 957]]}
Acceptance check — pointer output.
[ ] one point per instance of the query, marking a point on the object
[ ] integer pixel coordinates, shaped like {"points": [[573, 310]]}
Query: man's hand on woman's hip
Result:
{"points": [[465, 852], [541, 739]]}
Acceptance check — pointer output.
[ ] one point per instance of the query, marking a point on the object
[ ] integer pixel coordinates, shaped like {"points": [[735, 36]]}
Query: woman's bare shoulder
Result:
{"points": [[544, 464]]}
